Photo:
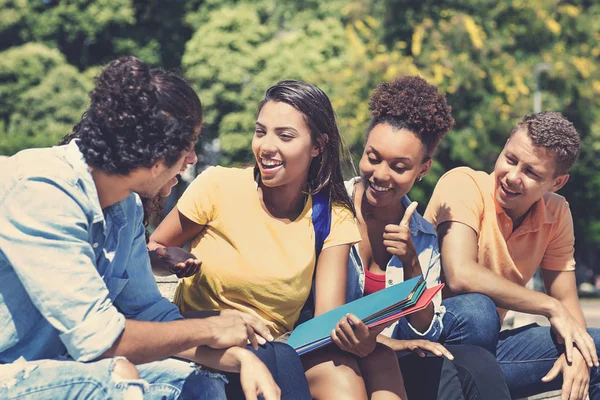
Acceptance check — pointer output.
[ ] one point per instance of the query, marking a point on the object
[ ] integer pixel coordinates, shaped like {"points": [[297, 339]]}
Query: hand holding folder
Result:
{"points": [[379, 309]]}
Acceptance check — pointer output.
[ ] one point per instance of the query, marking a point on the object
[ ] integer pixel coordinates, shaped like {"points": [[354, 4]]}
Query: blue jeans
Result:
{"points": [[524, 354], [284, 364], [67, 379]]}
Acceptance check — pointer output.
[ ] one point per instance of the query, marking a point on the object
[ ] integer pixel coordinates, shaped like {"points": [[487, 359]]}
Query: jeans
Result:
{"points": [[67, 379], [524, 354], [284, 364], [472, 375]]}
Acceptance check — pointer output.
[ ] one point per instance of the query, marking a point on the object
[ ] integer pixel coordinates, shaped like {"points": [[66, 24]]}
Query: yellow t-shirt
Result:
{"points": [[250, 261], [544, 239]]}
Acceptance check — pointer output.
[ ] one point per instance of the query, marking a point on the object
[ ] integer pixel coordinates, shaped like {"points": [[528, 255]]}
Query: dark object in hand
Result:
{"points": [[173, 260]]}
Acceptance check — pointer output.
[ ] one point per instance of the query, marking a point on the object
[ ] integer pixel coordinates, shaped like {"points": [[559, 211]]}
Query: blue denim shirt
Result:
{"points": [[70, 272], [425, 240]]}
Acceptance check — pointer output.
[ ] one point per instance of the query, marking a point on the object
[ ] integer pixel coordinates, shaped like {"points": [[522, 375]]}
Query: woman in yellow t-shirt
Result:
{"points": [[253, 232]]}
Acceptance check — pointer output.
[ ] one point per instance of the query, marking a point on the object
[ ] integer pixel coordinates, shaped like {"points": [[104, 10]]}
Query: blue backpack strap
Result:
{"points": [[321, 219]]}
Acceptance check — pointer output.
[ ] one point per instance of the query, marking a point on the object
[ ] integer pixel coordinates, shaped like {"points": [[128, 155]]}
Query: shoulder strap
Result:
{"points": [[321, 219]]}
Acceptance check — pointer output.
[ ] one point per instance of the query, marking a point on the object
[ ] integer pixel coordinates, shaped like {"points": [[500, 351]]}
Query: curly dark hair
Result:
{"points": [[410, 103], [556, 134], [137, 117]]}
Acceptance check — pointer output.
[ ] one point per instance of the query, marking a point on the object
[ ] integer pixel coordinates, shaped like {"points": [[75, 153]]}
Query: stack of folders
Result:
{"points": [[379, 309]]}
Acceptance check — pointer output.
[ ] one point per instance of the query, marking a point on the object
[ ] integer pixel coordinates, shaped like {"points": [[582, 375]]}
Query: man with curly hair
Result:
{"points": [[495, 231], [78, 302]]}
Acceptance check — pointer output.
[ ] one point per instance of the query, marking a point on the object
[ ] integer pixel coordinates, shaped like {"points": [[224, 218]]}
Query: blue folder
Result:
{"points": [[315, 333]]}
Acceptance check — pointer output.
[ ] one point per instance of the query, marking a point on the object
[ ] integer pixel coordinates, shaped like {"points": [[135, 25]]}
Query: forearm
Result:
{"points": [[421, 320], [142, 342], [505, 293], [227, 360]]}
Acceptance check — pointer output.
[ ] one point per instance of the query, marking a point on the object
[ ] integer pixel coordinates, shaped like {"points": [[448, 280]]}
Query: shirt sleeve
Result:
{"points": [[456, 198], [559, 255], [343, 228], [198, 202], [45, 238], [140, 299]]}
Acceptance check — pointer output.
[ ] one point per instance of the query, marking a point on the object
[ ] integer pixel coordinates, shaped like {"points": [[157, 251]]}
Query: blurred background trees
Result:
{"points": [[489, 56]]}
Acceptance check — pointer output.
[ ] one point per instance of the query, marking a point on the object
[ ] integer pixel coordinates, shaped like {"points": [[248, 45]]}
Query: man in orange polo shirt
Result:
{"points": [[495, 231]]}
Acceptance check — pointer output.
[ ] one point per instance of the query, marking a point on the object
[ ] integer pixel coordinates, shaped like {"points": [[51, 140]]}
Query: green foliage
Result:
{"points": [[487, 55], [42, 97]]}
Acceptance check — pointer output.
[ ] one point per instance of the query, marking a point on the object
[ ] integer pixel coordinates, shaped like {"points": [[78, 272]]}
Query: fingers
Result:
{"points": [[252, 337], [566, 389], [410, 210], [257, 326], [587, 348], [361, 330], [432, 347], [553, 373]]}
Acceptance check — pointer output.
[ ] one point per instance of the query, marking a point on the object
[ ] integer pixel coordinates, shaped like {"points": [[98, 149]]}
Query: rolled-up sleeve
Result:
{"points": [[45, 237], [140, 299]]}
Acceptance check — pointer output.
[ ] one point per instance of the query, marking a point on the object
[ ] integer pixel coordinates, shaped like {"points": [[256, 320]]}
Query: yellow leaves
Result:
{"points": [[550, 22], [475, 32], [596, 87], [417, 40], [569, 9], [584, 66], [553, 26]]}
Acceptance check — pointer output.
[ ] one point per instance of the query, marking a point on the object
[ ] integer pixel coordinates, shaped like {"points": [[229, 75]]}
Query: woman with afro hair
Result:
{"points": [[409, 118]]}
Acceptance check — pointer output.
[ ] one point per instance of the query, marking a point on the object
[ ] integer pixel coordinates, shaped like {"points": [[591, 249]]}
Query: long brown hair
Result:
{"points": [[325, 172]]}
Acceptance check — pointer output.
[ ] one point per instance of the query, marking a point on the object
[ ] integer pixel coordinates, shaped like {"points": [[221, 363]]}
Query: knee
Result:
{"points": [[284, 352], [338, 377], [125, 369], [474, 310]]}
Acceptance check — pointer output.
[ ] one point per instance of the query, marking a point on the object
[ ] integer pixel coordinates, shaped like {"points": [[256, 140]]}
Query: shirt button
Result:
{"points": [[95, 245], [390, 282]]}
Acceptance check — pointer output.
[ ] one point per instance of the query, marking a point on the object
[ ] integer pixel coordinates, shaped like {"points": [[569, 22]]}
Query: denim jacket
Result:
{"points": [[425, 240], [70, 272]]}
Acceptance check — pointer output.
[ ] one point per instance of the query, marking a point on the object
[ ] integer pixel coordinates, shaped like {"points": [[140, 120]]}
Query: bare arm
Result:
{"points": [[562, 286], [176, 230], [458, 244], [330, 278], [142, 342]]}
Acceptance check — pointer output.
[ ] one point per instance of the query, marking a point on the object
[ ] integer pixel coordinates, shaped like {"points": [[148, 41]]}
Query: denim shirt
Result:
{"points": [[70, 272], [425, 240]]}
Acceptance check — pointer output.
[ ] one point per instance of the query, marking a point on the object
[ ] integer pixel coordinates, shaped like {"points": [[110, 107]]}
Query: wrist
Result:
{"points": [[551, 307]]}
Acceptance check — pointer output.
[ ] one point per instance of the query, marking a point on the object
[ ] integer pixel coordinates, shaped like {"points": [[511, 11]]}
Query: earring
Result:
{"points": [[420, 178]]}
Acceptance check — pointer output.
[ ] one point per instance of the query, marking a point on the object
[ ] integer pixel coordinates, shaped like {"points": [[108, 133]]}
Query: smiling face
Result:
{"points": [[524, 173], [282, 145], [163, 178], [390, 165]]}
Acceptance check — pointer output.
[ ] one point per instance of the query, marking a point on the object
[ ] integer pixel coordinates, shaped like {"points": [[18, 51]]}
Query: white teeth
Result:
{"points": [[379, 188], [270, 162]]}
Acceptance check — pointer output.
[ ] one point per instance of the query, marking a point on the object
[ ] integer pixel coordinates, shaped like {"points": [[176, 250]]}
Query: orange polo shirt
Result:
{"points": [[544, 239]]}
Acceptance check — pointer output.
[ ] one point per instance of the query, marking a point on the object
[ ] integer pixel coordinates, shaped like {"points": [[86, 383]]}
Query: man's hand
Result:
{"points": [[397, 239], [420, 346], [576, 376], [256, 379], [174, 260], [353, 336], [568, 331], [233, 328]]}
